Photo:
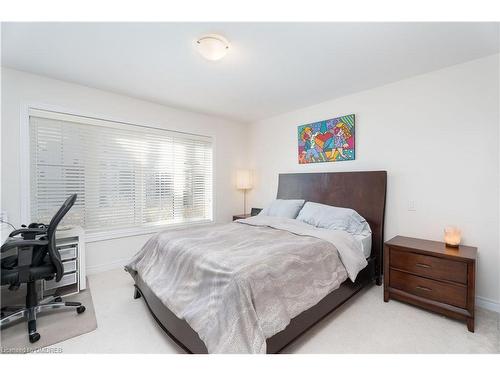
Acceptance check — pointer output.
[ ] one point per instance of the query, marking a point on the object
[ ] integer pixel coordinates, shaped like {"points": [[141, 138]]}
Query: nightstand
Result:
{"points": [[432, 276], [241, 216]]}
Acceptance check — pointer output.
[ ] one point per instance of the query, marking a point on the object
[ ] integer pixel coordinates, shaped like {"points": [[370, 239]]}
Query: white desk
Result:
{"points": [[70, 243]]}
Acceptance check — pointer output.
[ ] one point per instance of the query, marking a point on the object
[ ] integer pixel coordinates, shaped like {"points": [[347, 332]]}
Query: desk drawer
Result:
{"points": [[69, 266], [429, 266], [68, 279], [68, 252], [455, 295]]}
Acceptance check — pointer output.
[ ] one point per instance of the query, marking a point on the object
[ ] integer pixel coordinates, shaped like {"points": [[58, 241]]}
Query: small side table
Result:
{"points": [[241, 216], [432, 276]]}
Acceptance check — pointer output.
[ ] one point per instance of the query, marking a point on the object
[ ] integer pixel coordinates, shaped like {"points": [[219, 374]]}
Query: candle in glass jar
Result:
{"points": [[452, 236]]}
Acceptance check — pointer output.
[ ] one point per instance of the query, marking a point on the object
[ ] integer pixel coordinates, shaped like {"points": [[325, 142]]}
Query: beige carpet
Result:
{"points": [[366, 324], [53, 327]]}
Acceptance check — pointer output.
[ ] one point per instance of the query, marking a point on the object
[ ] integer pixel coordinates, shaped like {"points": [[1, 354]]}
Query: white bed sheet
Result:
{"points": [[366, 244]]}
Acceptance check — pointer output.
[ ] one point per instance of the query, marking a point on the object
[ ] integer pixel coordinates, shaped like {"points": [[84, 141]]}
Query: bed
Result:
{"points": [[364, 192]]}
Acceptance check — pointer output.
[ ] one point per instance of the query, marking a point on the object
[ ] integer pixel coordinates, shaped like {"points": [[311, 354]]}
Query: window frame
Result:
{"points": [[28, 109]]}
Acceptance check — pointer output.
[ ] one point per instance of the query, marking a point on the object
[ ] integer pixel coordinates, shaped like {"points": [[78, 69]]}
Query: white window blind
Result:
{"points": [[126, 176]]}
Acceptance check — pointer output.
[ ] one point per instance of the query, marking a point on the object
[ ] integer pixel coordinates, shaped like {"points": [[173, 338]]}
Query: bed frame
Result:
{"points": [[362, 191]]}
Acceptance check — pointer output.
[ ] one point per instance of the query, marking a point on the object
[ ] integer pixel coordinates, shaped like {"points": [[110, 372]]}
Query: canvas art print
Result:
{"points": [[328, 140]]}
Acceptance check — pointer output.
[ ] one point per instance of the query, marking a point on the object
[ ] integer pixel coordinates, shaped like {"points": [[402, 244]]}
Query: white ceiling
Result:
{"points": [[271, 68]]}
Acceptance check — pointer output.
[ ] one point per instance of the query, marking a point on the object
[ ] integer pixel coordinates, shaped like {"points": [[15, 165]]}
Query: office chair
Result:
{"points": [[37, 258]]}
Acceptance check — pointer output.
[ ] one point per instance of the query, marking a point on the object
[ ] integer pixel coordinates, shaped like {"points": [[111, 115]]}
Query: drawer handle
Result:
{"points": [[424, 288], [422, 265]]}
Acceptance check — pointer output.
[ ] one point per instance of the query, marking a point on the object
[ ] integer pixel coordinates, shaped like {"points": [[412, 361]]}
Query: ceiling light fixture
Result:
{"points": [[212, 47]]}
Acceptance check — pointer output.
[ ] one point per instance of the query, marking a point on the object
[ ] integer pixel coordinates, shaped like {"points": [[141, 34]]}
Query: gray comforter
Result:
{"points": [[237, 284]]}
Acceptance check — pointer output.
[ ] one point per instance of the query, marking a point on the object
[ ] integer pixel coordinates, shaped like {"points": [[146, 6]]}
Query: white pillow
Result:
{"points": [[283, 208], [330, 217]]}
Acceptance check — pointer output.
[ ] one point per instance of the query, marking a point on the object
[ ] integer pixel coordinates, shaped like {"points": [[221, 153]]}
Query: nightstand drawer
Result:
{"points": [[429, 266], [455, 295]]}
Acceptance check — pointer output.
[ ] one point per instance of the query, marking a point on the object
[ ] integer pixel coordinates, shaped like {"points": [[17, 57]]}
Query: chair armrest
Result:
{"points": [[28, 230], [10, 244]]}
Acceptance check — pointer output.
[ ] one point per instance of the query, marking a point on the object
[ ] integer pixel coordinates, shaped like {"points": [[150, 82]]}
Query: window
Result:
{"points": [[126, 176]]}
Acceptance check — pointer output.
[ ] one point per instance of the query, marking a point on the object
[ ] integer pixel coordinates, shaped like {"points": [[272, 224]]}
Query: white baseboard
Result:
{"points": [[484, 303], [91, 270], [488, 304]]}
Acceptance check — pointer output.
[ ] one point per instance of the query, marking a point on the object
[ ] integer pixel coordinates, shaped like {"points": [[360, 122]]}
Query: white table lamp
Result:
{"points": [[244, 182]]}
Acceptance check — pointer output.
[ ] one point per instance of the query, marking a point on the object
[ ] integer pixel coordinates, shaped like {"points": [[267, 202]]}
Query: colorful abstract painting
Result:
{"points": [[328, 140]]}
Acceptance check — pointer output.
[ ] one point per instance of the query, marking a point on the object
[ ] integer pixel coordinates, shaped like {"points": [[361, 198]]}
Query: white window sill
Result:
{"points": [[129, 232]]}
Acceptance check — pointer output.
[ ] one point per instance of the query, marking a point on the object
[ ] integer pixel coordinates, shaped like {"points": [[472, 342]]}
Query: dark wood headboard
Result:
{"points": [[361, 191]]}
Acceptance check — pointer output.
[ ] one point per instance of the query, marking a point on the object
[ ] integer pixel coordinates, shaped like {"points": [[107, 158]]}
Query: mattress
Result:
{"points": [[366, 244], [240, 283]]}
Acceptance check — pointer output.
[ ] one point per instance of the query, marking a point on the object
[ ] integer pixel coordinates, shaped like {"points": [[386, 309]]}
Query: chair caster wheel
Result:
{"points": [[58, 299], [34, 337], [80, 309]]}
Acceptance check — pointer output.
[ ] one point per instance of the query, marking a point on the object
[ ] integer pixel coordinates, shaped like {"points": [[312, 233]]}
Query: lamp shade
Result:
{"points": [[243, 179]]}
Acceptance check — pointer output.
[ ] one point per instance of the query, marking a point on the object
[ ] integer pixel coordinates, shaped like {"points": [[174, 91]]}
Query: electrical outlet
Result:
{"points": [[4, 216], [412, 205]]}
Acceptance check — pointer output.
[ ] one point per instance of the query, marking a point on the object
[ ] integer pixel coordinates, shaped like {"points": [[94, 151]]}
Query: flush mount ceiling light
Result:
{"points": [[212, 47]]}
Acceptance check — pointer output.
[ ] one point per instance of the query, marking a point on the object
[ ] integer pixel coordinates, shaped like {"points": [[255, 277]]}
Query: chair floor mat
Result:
{"points": [[53, 326]]}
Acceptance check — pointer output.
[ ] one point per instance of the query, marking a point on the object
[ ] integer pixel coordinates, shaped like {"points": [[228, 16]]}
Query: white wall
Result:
{"points": [[437, 137], [20, 89]]}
